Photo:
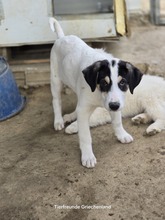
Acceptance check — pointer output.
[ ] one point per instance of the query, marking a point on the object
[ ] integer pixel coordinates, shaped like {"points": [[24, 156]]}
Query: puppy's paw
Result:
{"points": [[140, 119], [125, 138], [68, 118], [151, 130], [58, 124], [136, 120], [72, 128], [88, 160], [156, 127]]}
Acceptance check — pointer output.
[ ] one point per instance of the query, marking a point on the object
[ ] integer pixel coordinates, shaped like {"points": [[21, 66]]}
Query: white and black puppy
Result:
{"points": [[97, 78], [146, 106]]}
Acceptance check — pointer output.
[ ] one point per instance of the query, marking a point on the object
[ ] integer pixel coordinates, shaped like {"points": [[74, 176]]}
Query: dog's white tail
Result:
{"points": [[55, 27]]}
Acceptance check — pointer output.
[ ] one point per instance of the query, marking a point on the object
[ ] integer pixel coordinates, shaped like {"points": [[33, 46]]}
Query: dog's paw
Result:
{"points": [[88, 160], [125, 138], [141, 119], [72, 128], [69, 117], [155, 127], [136, 120], [59, 124], [151, 130]]}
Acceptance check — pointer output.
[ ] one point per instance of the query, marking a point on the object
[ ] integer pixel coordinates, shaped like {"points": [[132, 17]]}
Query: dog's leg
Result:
{"points": [[72, 128], [156, 127], [58, 121], [143, 118], [68, 118], [120, 132], [56, 87], [87, 157], [156, 111]]}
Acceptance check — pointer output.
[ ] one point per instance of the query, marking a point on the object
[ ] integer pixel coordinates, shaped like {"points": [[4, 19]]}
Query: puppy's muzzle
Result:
{"points": [[114, 106]]}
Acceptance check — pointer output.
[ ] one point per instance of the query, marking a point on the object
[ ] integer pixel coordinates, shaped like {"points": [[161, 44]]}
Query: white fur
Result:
{"points": [[146, 105], [149, 99], [71, 56]]}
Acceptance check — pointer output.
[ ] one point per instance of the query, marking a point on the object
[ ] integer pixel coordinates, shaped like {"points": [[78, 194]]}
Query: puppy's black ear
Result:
{"points": [[91, 73], [132, 74]]}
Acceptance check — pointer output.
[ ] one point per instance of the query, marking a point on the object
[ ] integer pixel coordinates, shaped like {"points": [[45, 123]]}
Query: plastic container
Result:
{"points": [[11, 101]]}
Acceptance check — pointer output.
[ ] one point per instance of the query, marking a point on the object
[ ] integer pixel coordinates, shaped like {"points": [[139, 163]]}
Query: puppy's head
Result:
{"points": [[99, 73], [112, 78]]}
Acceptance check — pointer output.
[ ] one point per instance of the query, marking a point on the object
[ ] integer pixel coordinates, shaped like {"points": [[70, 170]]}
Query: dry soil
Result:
{"points": [[40, 172]]}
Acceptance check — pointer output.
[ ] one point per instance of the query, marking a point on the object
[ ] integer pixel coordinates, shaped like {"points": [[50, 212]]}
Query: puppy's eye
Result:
{"points": [[123, 85], [104, 86], [105, 83], [122, 82]]}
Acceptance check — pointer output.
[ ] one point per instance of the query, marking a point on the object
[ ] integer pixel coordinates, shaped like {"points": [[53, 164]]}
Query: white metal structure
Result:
{"points": [[26, 22]]}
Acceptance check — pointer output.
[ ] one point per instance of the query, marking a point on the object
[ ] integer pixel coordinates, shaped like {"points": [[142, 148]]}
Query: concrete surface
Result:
{"points": [[40, 172]]}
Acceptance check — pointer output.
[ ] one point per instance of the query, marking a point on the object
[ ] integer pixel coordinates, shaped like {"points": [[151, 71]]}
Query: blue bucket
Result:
{"points": [[11, 101]]}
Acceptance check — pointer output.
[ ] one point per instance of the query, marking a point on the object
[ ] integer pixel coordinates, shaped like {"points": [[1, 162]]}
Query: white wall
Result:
{"points": [[133, 5], [138, 5]]}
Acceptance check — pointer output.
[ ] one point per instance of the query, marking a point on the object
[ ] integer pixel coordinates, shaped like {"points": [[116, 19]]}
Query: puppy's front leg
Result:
{"points": [[87, 157], [120, 132]]}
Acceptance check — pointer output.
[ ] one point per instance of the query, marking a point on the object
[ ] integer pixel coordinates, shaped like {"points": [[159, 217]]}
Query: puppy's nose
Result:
{"points": [[114, 106]]}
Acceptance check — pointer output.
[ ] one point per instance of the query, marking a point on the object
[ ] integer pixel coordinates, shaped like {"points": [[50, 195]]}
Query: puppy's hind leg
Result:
{"points": [[156, 112], [156, 127], [56, 87]]}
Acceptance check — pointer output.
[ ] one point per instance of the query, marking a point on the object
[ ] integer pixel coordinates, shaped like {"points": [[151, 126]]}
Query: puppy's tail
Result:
{"points": [[55, 27]]}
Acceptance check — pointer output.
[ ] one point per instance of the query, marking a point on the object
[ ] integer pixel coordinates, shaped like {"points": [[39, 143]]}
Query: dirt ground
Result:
{"points": [[40, 172]]}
